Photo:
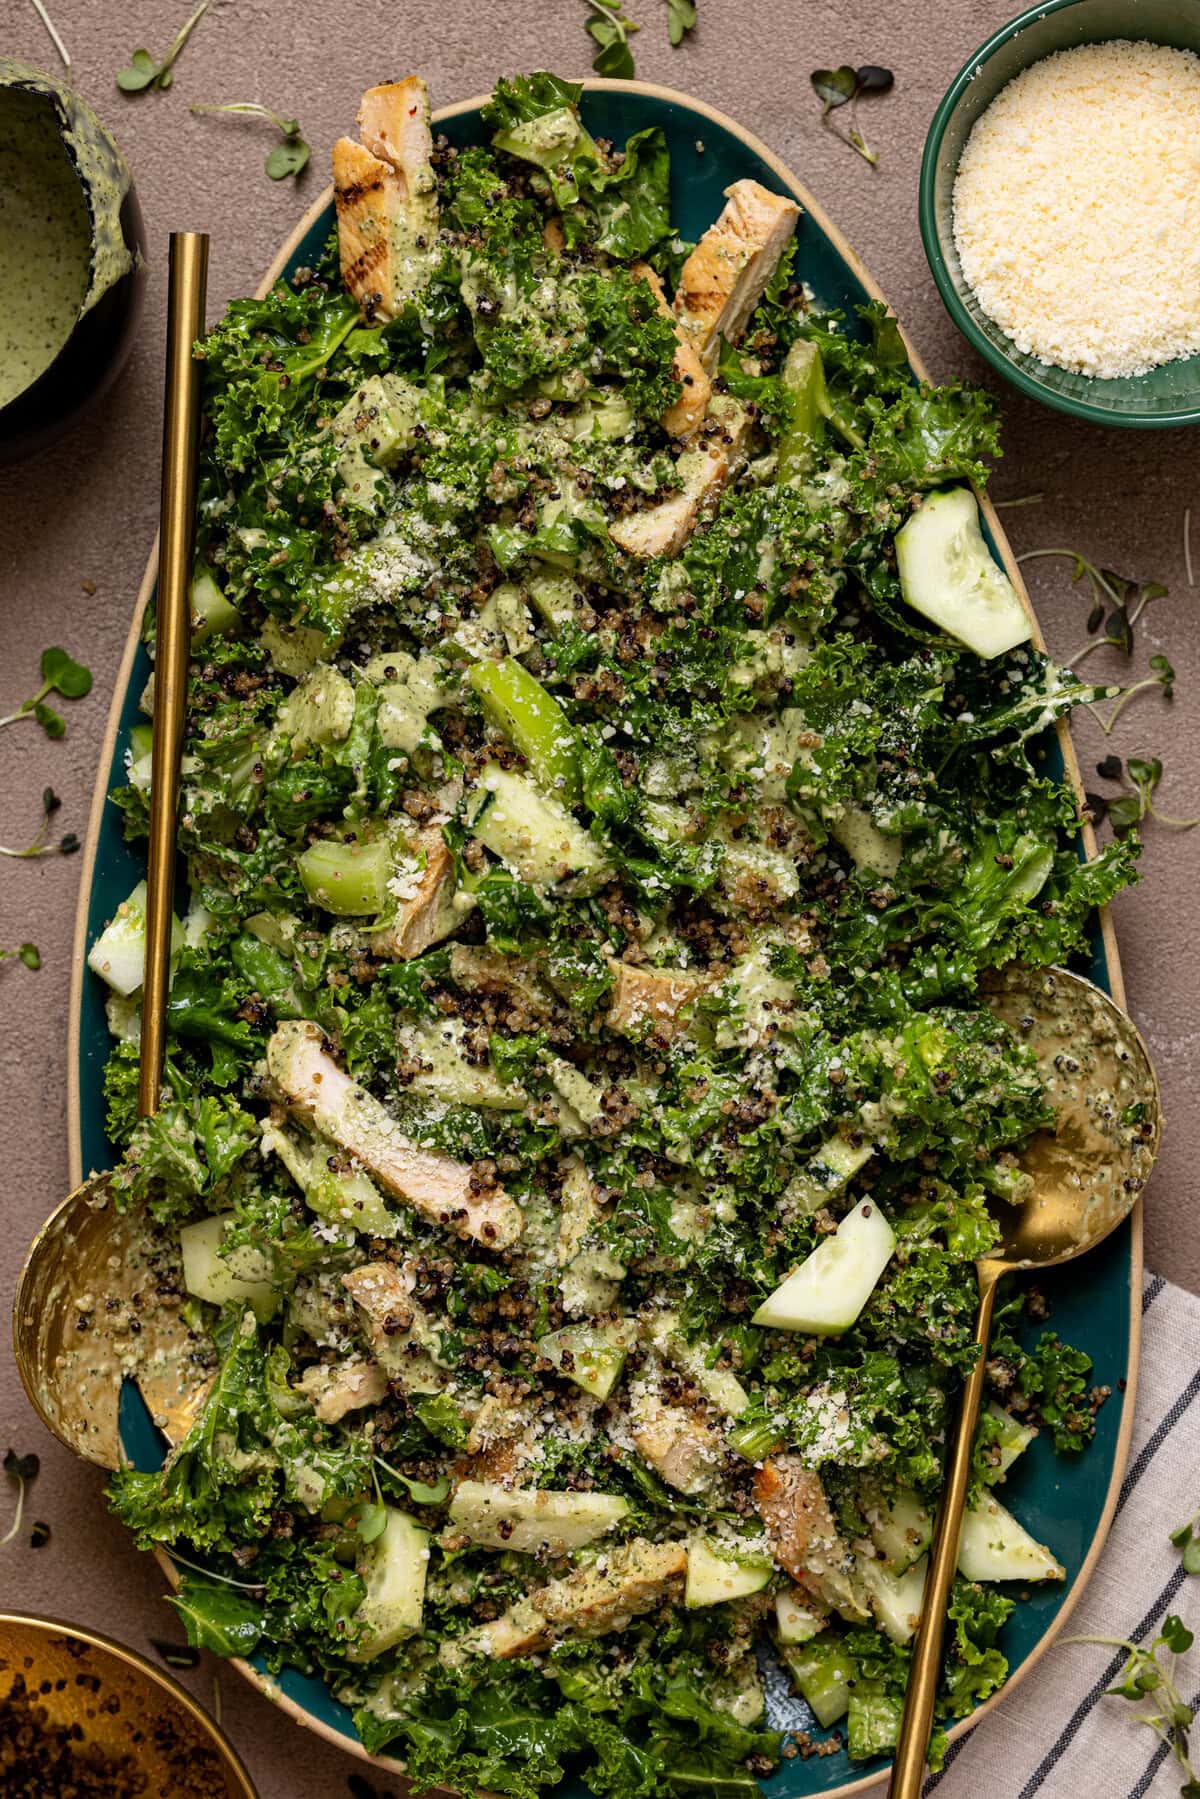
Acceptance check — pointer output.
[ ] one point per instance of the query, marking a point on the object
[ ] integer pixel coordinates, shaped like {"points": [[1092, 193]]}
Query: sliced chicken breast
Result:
{"points": [[687, 412], [323, 1096], [618, 1587], [651, 997], [705, 470], [723, 279], [385, 194], [430, 912]]}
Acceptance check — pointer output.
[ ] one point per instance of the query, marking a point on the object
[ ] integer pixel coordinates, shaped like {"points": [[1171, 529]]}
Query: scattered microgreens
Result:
{"points": [[66, 845], [61, 674], [225, 1580], [22, 1469], [1145, 1674], [48, 22], [176, 1655], [842, 87], [421, 1492], [1118, 602], [1187, 546], [28, 953], [1025, 499], [287, 158], [39, 1534], [610, 28], [1128, 810], [1187, 1540], [681, 18], [142, 72]]}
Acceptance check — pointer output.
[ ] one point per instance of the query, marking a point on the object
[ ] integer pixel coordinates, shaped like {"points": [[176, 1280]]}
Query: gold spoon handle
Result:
{"points": [[181, 435], [908, 1770]]}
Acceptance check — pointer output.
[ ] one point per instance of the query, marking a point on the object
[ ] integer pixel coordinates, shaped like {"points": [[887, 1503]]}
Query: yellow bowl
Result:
{"points": [[117, 1704]]}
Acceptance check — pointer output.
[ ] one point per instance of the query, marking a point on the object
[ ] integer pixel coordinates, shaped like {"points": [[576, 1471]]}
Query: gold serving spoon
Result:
{"points": [[99, 1297], [1087, 1173]]}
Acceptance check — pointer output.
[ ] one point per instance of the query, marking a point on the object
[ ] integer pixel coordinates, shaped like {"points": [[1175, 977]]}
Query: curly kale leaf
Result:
{"points": [[1055, 1378], [182, 1154], [253, 1447], [630, 338]]}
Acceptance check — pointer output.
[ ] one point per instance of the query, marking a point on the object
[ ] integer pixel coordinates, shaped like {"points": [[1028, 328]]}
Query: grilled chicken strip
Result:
{"points": [[705, 470], [432, 911], [323, 1096], [723, 279], [686, 413], [804, 1539], [385, 193], [596, 1600]]}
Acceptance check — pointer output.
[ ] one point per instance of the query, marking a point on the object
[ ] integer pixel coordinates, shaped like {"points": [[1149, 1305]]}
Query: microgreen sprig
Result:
{"points": [[421, 1492], [681, 18], [142, 72], [841, 87], [66, 846], [1118, 602], [287, 158], [1128, 810], [23, 1469], [1187, 1540], [61, 674], [610, 30], [27, 953], [1147, 1676]]}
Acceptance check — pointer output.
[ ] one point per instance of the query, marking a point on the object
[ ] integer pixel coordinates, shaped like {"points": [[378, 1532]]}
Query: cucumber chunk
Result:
{"points": [[394, 1567], [872, 1725], [716, 1573], [534, 834], [531, 1518], [242, 1278], [823, 1673], [118, 955], [825, 1294], [901, 1529], [212, 614], [947, 573], [796, 1620], [993, 1546], [589, 1355], [1012, 1441], [348, 879], [895, 1598]]}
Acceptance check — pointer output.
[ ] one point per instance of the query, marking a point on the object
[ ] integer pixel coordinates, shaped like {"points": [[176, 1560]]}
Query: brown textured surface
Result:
{"points": [[85, 510]]}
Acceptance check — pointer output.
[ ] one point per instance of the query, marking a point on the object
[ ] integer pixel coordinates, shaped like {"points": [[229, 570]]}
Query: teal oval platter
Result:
{"points": [[1067, 1504]]}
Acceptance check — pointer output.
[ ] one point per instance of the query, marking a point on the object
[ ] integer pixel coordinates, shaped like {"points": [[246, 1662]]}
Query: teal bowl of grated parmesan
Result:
{"points": [[1060, 207]]}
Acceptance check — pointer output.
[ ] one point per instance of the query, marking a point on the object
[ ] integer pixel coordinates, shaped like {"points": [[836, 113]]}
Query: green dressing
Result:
{"points": [[45, 241]]}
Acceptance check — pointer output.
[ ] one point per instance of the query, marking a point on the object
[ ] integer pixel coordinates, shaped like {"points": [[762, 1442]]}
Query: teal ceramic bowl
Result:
{"points": [[1169, 395], [1067, 1503]]}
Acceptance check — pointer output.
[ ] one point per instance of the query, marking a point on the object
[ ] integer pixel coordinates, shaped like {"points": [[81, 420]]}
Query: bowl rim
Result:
{"points": [[46, 1626], [999, 359]]}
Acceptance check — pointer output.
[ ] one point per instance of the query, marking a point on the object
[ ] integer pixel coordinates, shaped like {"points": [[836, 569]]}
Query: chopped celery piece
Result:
{"points": [[348, 879], [533, 721], [804, 384]]}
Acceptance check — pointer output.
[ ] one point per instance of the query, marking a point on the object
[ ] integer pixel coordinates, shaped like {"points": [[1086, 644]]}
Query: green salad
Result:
{"points": [[613, 759]]}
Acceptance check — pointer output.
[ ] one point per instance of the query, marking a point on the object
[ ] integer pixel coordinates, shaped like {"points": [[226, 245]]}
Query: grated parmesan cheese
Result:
{"points": [[1077, 208]]}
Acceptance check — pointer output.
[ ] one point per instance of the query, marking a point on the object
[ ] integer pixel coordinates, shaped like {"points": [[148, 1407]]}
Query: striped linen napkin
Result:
{"points": [[1057, 1736]]}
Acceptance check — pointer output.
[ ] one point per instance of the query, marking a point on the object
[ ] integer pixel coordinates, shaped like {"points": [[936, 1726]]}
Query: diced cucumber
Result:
{"points": [[118, 955], [319, 710], [826, 1173], [796, 1619], [824, 1674], [901, 1529], [948, 574], [716, 1572], [895, 1598], [589, 1355], [527, 1519], [993, 1546], [533, 721], [349, 1198], [825, 1294], [241, 1278], [1012, 1441], [720, 1386], [556, 598], [141, 756], [373, 429], [872, 1725], [212, 613], [348, 879], [394, 1568], [739, 1694], [535, 834]]}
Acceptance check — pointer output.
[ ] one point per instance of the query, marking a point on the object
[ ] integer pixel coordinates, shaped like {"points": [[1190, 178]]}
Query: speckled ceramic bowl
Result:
{"points": [[1169, 395]]}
